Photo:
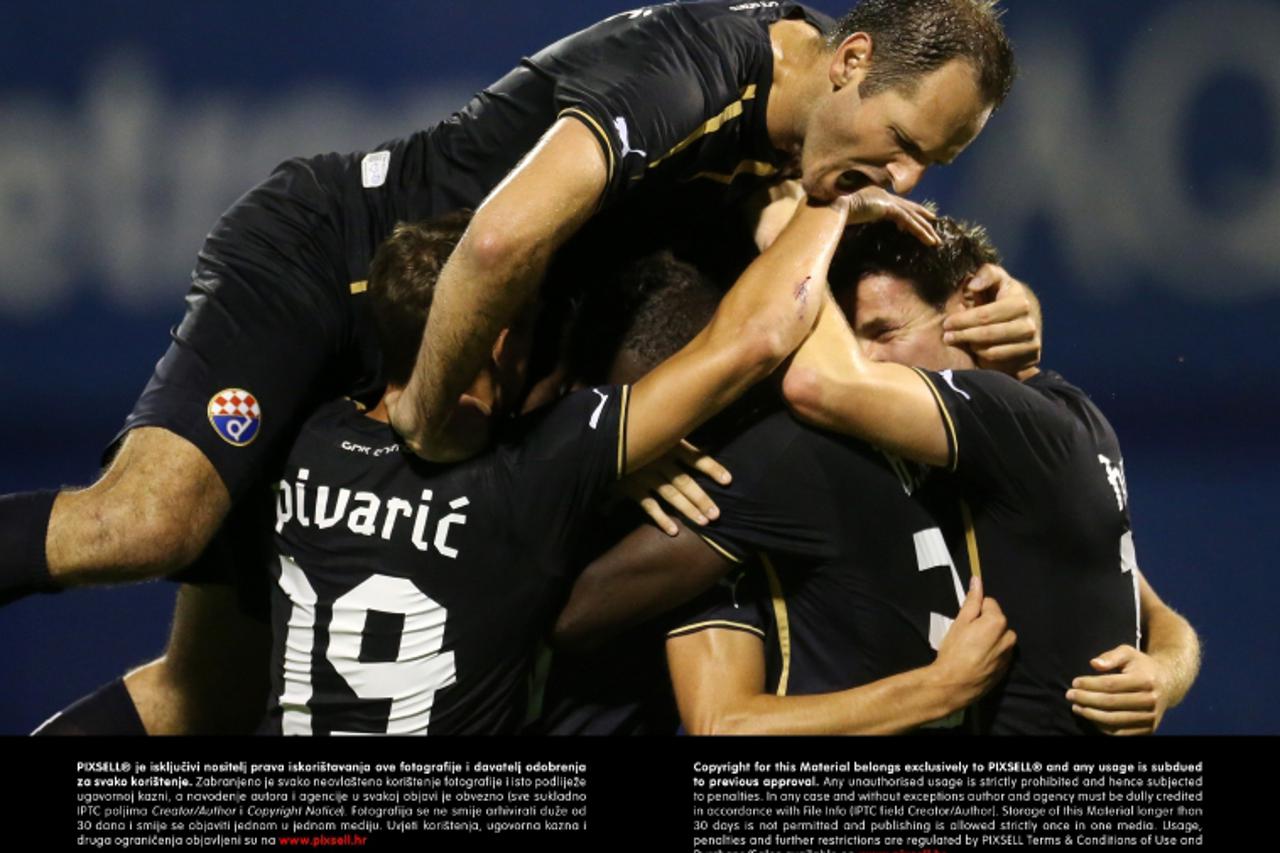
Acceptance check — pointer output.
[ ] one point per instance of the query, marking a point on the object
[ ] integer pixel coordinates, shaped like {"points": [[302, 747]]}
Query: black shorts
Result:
{"points": [[273, 328]]}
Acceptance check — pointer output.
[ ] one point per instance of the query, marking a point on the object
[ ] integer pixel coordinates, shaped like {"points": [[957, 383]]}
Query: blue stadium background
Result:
{"points": [[1133, 178]]}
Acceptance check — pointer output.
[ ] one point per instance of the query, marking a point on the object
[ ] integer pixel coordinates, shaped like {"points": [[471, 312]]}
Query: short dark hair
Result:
{"points": [[911, 38], [650, 308], [935, 272], [402, 281]]}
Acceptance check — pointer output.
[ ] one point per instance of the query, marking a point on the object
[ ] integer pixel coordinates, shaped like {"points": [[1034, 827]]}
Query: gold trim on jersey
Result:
{"points": [[970, 539], [711, 125], [622, 430], [953, 439], [600, 132], [781, 620], [714, 623], [719, 549], [359, 287], [759, 168]]}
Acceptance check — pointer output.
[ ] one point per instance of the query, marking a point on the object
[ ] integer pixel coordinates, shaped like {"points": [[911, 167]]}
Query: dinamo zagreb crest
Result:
{"points": [[236, 416]]}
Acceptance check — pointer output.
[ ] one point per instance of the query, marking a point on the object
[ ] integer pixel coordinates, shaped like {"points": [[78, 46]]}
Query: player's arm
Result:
{"points": [[831, 384], [760, 321], [645, 574], [1132, 689], [495, 270], [719, 680]]}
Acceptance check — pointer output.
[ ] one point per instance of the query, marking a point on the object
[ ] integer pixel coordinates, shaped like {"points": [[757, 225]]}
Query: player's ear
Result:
{"points": [[499, 347], [851, 60]]}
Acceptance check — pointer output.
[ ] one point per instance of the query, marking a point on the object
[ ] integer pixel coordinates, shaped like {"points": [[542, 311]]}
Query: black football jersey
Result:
{"points": [[1042, 480], [847, 578], [410, 595], [675, 94]]}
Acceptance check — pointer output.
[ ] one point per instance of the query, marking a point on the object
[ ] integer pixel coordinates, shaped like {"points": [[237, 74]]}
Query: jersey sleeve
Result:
{"points": [[565, 459], [1001, 434], [779, 501], [735, 603], [647, 83]]}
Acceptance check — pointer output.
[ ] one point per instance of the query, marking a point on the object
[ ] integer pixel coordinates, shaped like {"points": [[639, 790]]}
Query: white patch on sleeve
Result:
{"points": [[620, 125], [595, 416], [373, 169], [946, 374]]}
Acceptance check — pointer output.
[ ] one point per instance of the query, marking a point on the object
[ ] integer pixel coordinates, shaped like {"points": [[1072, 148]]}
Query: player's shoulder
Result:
{"points": [[722, 23], [340, 428], [766, 11], [573, 418], [769, 441], [1045, 404], [991, 392], [1076, 402]]}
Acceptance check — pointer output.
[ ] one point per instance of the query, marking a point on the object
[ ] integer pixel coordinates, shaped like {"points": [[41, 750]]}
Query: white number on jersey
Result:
{"points": [[410, 681]]}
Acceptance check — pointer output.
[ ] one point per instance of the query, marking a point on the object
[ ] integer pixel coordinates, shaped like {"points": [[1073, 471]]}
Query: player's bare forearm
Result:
{"points": [[719, 681], [1172, 642], [831, 384], [760, 321], [644, 575], [497, 267]]}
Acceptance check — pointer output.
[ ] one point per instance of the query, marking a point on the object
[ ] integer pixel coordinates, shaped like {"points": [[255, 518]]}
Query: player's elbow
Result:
{"points": [[489, 246], [570, 634], [755, 349], [504, 245], [721, 721], [802, 389], [164, 543]]}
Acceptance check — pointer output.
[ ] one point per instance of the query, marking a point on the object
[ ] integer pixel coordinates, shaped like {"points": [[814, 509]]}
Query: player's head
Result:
{"points": [[402, 279], [908, 83], [896, 290], [650, 309]]}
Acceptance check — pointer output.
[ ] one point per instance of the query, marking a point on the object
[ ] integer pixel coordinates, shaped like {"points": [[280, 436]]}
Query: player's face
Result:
{"points": [[893, 324], [891, 137]]}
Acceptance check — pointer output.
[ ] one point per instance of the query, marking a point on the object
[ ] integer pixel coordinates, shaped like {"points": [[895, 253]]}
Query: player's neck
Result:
{"points": [[381, 412], [797, 48]]}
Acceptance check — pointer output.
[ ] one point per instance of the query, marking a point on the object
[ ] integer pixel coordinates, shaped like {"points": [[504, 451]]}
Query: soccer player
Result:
{"points": [[714, 97], [1036, 468]]}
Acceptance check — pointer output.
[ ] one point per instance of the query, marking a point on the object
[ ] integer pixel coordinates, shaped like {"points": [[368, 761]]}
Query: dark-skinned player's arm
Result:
{"points": [[719, 680], [832, 385], [1131, 689], [496, 268], [647, 573]]}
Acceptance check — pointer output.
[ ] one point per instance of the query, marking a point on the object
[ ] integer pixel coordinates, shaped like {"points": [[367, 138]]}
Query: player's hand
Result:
{"points": [[669, 479], [977, 648], [1126, 698], [872, 204], [1002, 330]]}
